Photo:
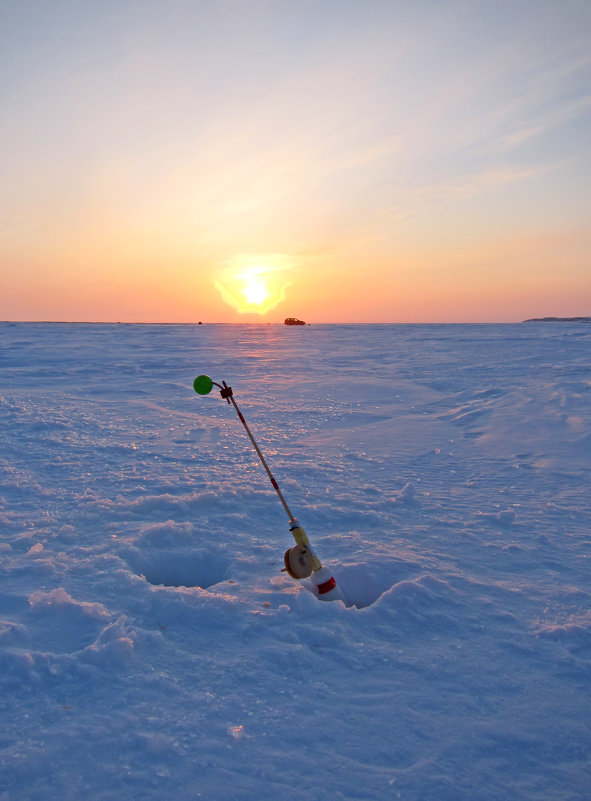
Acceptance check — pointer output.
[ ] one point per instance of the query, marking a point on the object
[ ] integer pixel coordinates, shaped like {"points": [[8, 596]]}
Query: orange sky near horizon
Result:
{"points": [[361, 163]]}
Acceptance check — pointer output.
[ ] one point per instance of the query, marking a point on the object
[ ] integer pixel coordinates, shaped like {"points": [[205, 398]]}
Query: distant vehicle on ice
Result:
{"points": [[293, 321]]}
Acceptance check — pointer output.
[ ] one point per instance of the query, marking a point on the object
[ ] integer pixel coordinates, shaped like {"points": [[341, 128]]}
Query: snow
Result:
{"points": [[151, 647]]}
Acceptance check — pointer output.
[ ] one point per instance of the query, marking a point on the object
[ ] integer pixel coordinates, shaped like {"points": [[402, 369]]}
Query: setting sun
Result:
{"points": [[255, 291], [254, 284]]}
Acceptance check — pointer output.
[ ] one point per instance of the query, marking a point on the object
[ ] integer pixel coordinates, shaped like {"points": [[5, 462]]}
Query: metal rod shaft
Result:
{"points": [[262, 458], [326, 584]]}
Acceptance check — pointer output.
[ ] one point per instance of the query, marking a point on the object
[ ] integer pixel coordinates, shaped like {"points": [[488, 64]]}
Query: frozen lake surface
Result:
{"points": [[151, 647]]}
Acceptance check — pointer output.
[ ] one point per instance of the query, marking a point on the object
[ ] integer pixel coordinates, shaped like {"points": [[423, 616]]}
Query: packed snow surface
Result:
{"points": [[151, 647]]}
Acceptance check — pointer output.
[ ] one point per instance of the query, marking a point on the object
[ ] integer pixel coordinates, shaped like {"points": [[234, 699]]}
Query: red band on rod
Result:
{"points": [[327, 586]]}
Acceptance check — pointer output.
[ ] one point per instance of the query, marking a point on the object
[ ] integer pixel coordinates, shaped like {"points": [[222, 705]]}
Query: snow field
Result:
{"points": [[150, 645]]}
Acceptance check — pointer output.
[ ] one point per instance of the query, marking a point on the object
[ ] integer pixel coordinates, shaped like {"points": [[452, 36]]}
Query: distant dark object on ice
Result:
{"points": [[293, 321], [558, 320]]}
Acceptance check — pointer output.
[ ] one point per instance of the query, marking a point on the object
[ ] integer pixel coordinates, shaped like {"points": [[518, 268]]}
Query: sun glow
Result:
{"points": [[255, 291], [253, 285]]}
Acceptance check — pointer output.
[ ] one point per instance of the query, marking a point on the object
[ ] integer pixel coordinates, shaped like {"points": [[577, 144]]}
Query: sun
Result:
{"points": [[255, 290], [254, 284]]}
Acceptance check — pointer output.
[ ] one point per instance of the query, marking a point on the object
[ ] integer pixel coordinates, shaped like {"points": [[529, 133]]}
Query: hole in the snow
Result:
{"points": [[361, 586], [180, 568]]}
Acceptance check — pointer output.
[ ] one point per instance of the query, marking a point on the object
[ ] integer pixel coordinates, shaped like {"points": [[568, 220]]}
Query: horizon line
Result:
{"points": [[576, 318]]}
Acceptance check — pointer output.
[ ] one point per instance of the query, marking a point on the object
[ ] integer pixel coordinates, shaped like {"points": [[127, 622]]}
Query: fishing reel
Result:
{"points": [[298, 562]]}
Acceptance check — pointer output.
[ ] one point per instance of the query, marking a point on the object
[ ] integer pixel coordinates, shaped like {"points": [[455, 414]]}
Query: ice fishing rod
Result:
{"points": [[300, 561]]}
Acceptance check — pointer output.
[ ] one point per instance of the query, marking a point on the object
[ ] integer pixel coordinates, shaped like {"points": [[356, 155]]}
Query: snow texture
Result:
{"points": [[151, 647]]}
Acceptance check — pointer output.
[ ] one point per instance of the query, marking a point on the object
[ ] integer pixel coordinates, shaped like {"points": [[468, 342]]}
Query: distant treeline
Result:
{"points": [[558, 320]]}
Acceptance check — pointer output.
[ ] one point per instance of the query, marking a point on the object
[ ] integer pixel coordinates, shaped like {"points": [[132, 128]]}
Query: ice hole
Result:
{"points": [[360, 585], [180, 569]]}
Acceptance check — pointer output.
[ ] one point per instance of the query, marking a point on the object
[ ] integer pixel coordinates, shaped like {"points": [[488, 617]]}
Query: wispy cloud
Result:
{"points": [[421, 200], [536, 123]]}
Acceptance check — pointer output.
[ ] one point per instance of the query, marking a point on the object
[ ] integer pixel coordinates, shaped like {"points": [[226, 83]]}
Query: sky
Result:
{"points": [[334, 160]]}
